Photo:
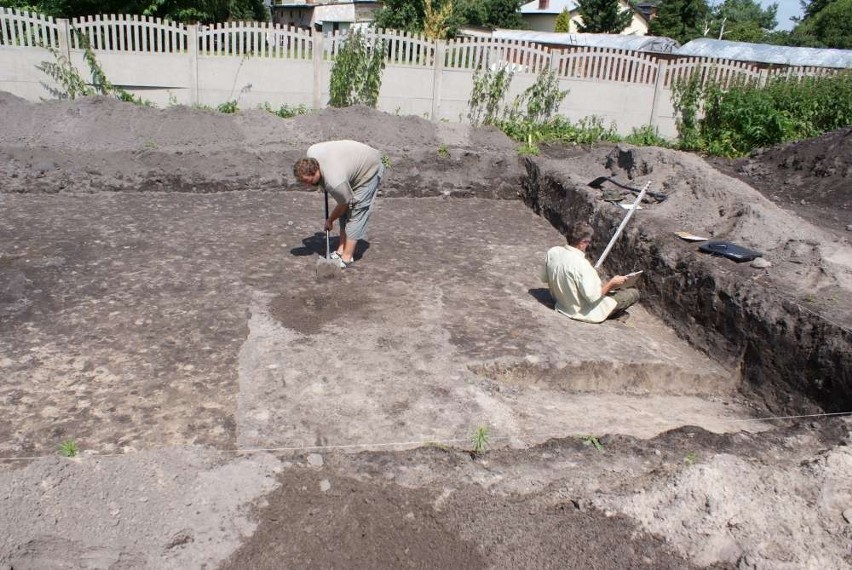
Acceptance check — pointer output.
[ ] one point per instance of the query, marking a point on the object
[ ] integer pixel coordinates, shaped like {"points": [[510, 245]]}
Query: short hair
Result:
{"points": [[580, 231], [305, 167]]}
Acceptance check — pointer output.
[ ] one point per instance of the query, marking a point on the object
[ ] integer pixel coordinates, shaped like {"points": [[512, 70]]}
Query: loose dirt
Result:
{"points": [[158, 306]]}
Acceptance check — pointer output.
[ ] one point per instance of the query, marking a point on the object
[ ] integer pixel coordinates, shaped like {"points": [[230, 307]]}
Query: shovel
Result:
{"points": [[327, 267], [598, 183]]}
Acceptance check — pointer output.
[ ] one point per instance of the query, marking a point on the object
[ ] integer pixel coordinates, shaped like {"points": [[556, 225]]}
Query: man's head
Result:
{"points": [[580, 235], [307, 171]]}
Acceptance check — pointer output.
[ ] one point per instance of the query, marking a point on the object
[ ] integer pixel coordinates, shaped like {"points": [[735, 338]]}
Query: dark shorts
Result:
{"points": [[623, 299]]}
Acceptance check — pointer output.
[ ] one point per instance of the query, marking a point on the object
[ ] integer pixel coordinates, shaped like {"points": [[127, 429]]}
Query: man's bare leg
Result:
{"points": [[346, 247]]}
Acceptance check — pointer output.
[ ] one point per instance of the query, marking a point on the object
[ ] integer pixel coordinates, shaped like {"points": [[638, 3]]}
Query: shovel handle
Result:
{"points": [[327, 245]]}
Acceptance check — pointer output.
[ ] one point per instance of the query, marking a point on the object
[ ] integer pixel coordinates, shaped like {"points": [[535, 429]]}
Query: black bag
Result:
{"points": [[729, 250]]}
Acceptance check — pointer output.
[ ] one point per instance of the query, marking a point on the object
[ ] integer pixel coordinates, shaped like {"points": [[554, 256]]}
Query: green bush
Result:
{"points": [[646, 136], [745, 116]]}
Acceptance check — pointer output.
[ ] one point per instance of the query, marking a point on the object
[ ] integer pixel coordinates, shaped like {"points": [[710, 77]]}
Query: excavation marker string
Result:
{"points": [[423, 442]]}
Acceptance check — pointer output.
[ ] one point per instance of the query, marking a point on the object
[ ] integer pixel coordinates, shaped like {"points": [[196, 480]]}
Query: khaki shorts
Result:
{"points": [[354, 221]]}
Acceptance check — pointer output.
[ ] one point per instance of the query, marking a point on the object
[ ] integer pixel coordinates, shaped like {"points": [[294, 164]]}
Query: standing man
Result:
{"points": [[576, 286], [350, 171]]}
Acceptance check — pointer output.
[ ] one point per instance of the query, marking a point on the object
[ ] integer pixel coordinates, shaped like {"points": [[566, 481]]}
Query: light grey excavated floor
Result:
{"points": [[142, 320], [441, 328]]}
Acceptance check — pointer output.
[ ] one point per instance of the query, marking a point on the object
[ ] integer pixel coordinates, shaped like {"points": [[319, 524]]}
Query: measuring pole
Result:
{"points": [[623, 223]]}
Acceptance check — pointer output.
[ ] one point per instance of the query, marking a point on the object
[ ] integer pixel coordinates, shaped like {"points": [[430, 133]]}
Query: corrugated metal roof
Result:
{"points": [[764, 53], [615, 41]]}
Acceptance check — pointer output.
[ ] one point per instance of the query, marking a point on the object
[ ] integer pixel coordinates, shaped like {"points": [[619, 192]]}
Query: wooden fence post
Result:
{"points": [[192, 46], [64, 36], [662, 69], [318, 64], [437, 74]]}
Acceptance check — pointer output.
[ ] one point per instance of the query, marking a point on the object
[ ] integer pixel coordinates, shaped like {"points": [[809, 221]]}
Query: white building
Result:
{"points": [[540, 16], [323, 16]]}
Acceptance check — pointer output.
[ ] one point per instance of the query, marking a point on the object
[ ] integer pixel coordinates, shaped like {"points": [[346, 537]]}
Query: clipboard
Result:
{"points": [[632, 279]]}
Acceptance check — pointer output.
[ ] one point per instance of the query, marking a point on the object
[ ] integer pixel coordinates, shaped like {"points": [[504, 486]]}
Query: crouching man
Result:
{"points": [[350, 172], [576, 286]]}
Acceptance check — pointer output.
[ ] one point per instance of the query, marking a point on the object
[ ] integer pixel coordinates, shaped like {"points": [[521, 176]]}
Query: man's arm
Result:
{"points": [[542, 270], [342, 194], [616, 281], [338, 211]]}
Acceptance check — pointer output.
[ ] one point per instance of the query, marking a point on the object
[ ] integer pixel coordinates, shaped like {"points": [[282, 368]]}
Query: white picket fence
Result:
{"points": [[124, 33], [262, 62]]}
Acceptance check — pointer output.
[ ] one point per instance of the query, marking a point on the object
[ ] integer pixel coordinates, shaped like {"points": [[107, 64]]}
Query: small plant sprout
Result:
{"points": [[443, 152], [228, 107], [480, 440], [593, 441], [386, 161], [68, 448], [691, 458]]}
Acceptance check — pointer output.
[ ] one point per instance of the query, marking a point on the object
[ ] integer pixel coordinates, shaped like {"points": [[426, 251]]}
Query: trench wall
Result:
{"points": [[791, 359]]}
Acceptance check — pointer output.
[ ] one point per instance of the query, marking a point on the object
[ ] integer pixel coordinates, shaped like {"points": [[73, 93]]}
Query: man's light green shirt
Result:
{"points": [[575, 285]]}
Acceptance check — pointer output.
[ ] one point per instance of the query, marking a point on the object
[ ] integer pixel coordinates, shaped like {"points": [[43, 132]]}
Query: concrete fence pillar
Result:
{"points": [[659, 87], [192, 47], [318, 68], [64, 28], [437, 75]]}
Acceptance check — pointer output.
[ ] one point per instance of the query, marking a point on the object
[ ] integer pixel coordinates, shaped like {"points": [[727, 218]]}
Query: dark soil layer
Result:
{"points": [[388, 524]]}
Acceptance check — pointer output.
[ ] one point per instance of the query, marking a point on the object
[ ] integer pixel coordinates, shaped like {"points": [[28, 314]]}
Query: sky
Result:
{"points": [[786, 9]]}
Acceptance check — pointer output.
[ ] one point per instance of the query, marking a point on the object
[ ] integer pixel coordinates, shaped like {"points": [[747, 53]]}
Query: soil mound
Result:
{"points": [[812, 177], [102, 144]]}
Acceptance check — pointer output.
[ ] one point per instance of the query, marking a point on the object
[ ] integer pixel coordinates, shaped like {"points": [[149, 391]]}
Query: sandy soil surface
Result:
{"points": [[158, 305]]}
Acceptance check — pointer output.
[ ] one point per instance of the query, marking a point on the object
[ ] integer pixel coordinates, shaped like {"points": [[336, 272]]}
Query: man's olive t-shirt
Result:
{"points": [[345, 166]]}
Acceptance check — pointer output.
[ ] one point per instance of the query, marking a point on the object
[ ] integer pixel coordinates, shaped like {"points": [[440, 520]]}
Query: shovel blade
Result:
{"points": [[598, 182], [327, 269]]}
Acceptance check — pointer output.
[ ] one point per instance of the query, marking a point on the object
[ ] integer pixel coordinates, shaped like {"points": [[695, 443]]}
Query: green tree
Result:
{"points": [[410, 15], [743, 21], [436, 22], [181, 10], [810, 8], [74, 8], [400, 15], [471, 12], [681, 20], [504, 13], [603, 16], [563, 22], [827, 23], [207, 11]]}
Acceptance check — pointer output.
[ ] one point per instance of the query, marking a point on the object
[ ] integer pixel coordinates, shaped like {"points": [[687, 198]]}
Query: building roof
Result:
{"points": [[553, 7], [764, 53], [334, 13], [615, 41]]}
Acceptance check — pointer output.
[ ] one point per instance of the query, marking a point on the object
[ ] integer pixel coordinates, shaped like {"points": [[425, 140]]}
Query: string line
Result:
{"points": [[418, 443]]}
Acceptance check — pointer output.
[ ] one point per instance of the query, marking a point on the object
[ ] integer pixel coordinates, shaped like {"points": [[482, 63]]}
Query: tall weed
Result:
{"points": [[356, 76], [72, 85], [490, 85]]}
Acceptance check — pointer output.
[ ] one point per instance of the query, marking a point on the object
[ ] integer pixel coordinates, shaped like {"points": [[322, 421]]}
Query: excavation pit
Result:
{"points": [[178, 334]]}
